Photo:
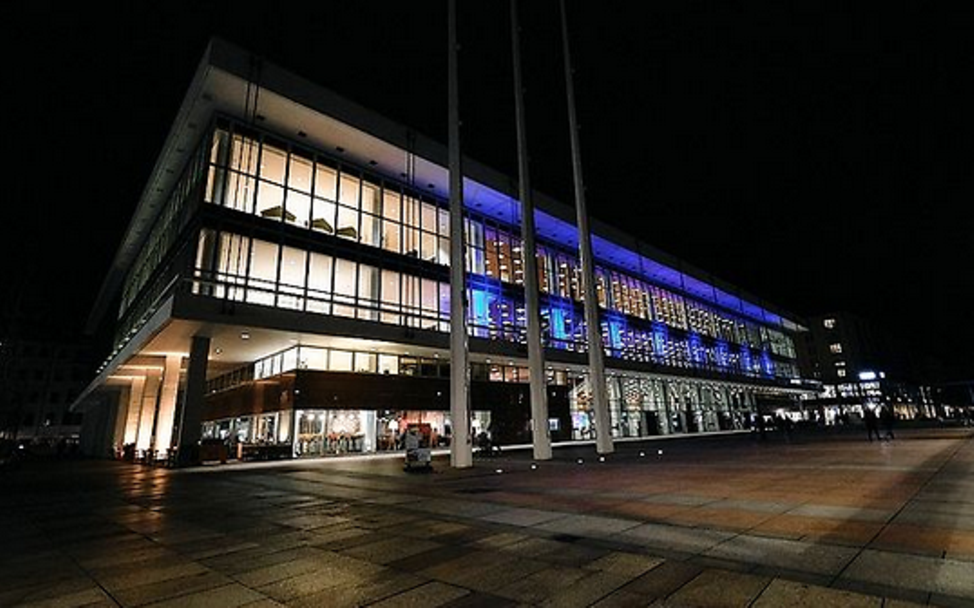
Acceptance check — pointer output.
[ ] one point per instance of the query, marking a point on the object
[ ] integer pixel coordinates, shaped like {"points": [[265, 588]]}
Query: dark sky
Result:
{"points": [[817, 155]]}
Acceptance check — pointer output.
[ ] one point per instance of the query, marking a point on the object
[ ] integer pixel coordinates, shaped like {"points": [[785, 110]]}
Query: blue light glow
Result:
{"points": [[698, 353], [746, 362], [660, 338], [617, 328], [722, 354], [561, 321]]}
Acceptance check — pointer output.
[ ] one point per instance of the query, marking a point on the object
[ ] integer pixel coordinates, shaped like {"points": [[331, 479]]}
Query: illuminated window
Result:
{"points": [[835, 348], [829, 323]]}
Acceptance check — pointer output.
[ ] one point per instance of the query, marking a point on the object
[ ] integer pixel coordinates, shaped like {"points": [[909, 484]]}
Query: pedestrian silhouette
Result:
{"points": [[872, 424], [888, 419]]}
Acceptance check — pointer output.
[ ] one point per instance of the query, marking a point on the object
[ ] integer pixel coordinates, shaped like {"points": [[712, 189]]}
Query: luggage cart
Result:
{"points": [[417, 441]]}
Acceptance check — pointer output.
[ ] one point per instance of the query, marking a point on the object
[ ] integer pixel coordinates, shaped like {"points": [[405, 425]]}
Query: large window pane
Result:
{"points": [[492, 264], [292, 278], [348, 193], [299, 174], [232, 266], [388, 364], [340, 361], [410, 221], [319, 283], [370, 198], [240, 192], [370, 229], [270, 201], [410, 242], [390, 236], [323, 215], [390, 205], [347, 225], [390, 297], [443, 251], [298, 208], [428, 249], [263, 272], [272, 164], [410, 211], [444, 306], [243, 155], [430, 303], [443, 222], [365, 363], [325, 182], [428, 213], [411, 300], [368, 292], [310, 357], [345, 284]]}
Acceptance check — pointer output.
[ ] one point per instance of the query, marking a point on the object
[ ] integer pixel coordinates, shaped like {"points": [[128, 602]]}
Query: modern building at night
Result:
{"points": [[284, 282]]}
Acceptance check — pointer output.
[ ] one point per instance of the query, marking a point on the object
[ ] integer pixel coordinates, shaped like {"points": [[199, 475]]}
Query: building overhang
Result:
{"points": [[240, 333]]}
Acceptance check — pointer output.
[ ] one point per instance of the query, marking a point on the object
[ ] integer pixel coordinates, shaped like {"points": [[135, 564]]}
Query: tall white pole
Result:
{"points": [[596, 363], [541, 438], [461, 453]]}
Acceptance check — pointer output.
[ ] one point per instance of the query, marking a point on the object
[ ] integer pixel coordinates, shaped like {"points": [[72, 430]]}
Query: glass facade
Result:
{"points": [[261, 176], [639, 405], [287, 228]]}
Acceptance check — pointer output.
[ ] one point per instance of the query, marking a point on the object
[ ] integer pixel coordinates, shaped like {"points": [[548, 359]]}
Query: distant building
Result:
{"points": [[860, 367], [44, 367], [40, 380], [956, 398], [284, 285]]}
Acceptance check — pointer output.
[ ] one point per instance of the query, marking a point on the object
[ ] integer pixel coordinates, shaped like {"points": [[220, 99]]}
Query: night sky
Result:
{"points": [[816, 155]]}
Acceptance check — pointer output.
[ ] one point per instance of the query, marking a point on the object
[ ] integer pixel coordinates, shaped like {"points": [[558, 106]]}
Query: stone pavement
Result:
{"points": [[723, 521]]}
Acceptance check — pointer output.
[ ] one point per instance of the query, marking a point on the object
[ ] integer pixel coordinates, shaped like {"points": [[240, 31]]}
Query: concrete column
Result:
{"points": [[191, 416], [121, 417], [683, 405], [147, 418], [294, 432], [284, 426], [166, 417], [133, 411], [664, 391]]}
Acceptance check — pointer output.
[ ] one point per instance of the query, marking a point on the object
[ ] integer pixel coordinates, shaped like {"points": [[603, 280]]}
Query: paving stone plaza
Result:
{"points": [[829, 520]]}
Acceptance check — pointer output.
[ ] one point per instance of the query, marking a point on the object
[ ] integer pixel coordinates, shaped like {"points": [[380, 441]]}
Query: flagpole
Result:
{"points": [[541, 437], [461, 454], [596, 363]]}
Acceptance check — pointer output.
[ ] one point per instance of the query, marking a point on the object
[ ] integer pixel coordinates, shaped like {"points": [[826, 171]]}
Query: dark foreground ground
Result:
{"points": [[729, 521]]}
